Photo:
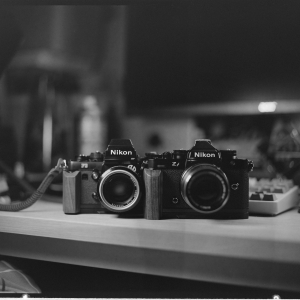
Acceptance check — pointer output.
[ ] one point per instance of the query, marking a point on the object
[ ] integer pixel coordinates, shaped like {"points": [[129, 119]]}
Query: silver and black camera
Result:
{"points": [[104, 182], [202, 182]]}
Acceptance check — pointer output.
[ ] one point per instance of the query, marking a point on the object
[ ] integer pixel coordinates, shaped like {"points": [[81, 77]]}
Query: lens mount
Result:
{"points": [[205, 188], [119, 189]]}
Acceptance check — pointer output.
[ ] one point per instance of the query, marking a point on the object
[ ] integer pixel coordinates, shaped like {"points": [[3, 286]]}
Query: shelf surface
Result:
{"points": [[259, 252]]}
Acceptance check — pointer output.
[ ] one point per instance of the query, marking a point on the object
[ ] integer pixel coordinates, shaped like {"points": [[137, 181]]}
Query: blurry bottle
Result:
{"points": [[92, 126]]}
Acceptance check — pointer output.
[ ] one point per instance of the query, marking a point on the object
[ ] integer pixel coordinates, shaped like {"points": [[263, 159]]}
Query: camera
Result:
{"points": [[202, 182], [104, 182]]}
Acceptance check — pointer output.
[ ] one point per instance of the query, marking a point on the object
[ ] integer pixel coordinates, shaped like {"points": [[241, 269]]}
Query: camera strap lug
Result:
{"points": [[61, 165], [235, 186]]}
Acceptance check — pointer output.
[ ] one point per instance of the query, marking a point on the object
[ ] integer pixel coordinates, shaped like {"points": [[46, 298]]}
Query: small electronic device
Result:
{"points": [[104, 182], [202, 182], [272, 196]]}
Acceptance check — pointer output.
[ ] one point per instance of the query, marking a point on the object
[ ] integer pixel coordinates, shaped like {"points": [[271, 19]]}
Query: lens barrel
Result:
{"points": [[205, 188], [119, 189]]}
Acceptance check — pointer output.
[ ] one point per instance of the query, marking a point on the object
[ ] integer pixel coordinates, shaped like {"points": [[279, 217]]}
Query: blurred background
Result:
{"points": [[161, 74]]}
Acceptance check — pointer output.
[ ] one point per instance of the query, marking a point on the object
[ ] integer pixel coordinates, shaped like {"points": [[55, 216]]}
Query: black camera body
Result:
{"points": [[104, 182], [202, 182]]}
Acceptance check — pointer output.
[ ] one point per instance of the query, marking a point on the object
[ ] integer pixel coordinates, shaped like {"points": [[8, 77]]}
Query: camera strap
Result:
{"points": [[20, 205]]}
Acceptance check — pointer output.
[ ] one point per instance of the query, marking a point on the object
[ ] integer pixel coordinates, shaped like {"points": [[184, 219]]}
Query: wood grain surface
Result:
{"points": [[71, 192], [153, 201]]}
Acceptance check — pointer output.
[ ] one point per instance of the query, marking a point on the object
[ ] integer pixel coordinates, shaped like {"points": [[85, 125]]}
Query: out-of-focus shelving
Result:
{"points": [[225, 108]]}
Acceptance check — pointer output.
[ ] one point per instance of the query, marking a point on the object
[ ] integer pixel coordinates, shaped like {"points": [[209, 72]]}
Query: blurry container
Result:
{"points": [[92, 126], [62, 47], [62, 37]]}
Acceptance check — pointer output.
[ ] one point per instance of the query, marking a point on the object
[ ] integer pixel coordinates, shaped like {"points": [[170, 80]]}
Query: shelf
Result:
{"points": [[258, 252]]}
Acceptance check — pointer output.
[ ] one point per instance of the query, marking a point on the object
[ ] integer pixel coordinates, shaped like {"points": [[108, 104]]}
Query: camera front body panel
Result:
{"points": [[105, 180], [89, 200], [203, 165], [237, 206]]}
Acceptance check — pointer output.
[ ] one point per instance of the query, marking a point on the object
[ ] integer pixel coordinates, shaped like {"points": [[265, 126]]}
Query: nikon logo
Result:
{"points": [[120, 152], [203, 154]]}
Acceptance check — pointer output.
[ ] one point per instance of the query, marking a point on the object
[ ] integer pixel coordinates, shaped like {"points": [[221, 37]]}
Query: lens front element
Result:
{"points": [[205, 188], [119, 189]]}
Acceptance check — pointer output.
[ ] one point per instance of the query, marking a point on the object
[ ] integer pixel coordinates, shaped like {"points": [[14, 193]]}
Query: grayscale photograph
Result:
{"points": [[150, 149]]}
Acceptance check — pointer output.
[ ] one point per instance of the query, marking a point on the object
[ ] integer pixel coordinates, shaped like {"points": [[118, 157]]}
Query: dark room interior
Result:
{"points": [[150, 149]]}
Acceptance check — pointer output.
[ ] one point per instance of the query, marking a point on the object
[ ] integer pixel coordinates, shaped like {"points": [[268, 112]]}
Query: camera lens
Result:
{"points": [[205, 188], [119, 189]]}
